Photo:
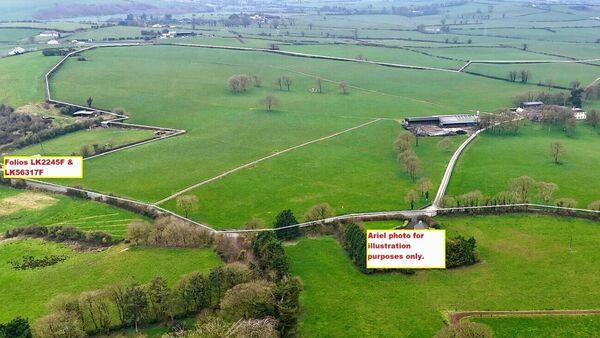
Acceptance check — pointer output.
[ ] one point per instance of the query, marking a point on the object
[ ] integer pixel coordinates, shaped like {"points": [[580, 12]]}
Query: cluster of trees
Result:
{"points": [[355, 243], [522, 189], [62, 233], [424, 187], [20, 130], [523, 75], [168, 231], [406, 156], [251, 299], [502, 122], [86, 150], [559, 116], [18, 327], [576, 96], [30, 262], [14, 126], [459, 250], [242, 82], [56, 51]]}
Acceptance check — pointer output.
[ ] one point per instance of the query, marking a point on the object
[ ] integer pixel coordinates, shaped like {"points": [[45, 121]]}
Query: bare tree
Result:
{"points": [[425, 186], [522, 187], [269, 102], [546, 190], [557, 149], [410, 198], [525, 74], [187, 203], [89, 101], [412, 165], [512, 76], [284, 81], [595, 205], [256, 82], [344, 87], [319, 85]]}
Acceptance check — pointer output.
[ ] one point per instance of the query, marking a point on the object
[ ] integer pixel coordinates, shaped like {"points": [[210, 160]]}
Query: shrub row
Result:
{"points": [[60, 233]]}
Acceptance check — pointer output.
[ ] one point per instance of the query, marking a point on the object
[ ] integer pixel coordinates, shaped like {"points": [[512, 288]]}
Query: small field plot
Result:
{"points": [[486, 53], [391, 55], [112, 33], [547, 326], [491, 161], [22, 78], [85, 271], [16, 34], [561, 74], [72, 143], [526, 263], [226, 130], [355, 172], [23, 207]]}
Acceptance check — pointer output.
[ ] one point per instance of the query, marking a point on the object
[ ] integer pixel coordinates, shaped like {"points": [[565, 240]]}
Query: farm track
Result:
{"points": [[383, 215], [456, 317]]}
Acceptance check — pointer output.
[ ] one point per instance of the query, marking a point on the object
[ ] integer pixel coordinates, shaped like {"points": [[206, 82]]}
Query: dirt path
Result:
{"points": [[249, 164], [456, 317]]}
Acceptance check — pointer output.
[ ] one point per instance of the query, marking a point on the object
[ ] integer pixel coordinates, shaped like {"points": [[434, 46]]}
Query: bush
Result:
{"points": [[62, 233], [355, 244], [284, 219], [169, 231], [249, 300], [270, 255], [461, 251], [18, 328]]}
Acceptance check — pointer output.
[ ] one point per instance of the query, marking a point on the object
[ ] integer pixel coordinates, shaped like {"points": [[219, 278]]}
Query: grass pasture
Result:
{"points": [[355, 172], [227, 130], [53, 209], [526, 263], [505, 157], [547, 326], [561, 74], [22, 78], [83, 271], [71, 143]]}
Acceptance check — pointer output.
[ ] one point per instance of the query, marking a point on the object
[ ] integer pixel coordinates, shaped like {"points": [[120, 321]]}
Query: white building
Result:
{"points": [[53, 42], [50, 34], [16, 51], [579, 114]]}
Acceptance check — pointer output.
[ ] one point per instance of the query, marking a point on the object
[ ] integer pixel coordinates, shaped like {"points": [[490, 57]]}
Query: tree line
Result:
{"points": [[254, 295], [522, 189], [460, 251]]}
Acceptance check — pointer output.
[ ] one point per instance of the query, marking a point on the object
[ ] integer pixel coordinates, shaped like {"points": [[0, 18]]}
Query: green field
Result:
{"points": [[526, 263], [226, 130], [86, 271], [548, 326], [558, 74], [22, 78], [59, 209], [355, 172], [16, 34], [72, 142], [492, 160]]}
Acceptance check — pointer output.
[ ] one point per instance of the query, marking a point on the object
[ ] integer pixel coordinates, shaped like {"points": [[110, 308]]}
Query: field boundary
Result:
{"points": [[457, 317], [118, 119]]}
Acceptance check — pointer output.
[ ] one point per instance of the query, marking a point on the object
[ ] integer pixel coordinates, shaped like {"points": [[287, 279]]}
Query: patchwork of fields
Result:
{"points": [[526, 263], [328, 139]]}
